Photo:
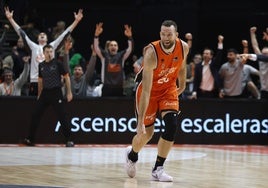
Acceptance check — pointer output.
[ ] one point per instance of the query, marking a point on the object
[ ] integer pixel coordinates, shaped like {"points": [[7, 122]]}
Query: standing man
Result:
{"points": [[50, 93], [113, 62], [231, 73], [164, 65], [37, 49], [207, 80]]}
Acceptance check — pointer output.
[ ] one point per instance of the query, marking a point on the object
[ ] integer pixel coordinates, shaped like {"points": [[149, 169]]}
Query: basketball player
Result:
{"points": [[164, 66]]}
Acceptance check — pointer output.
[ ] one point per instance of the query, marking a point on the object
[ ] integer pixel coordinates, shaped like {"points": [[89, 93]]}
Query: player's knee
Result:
{"points": [[171, 125]]}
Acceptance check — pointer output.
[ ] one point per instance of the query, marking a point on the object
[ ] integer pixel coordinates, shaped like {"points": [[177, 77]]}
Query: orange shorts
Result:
{"points": [[159, 101]]}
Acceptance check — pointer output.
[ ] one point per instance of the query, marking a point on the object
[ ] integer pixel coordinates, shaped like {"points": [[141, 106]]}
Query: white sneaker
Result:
{"points": [[130, 166], [160, 175]]}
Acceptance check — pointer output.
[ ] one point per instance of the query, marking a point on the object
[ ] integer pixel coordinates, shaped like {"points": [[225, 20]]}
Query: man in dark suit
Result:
{"points": [[207, 80]]}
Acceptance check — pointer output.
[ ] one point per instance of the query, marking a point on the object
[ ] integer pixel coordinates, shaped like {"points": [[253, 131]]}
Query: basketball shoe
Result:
{"points": [[160, 175], [130, 166]]}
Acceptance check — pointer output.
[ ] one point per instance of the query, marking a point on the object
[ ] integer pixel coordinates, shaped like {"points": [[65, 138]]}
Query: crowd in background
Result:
{"points": [[220, 74]]}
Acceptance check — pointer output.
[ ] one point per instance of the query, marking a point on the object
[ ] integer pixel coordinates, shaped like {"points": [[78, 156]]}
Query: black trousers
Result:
{"points": [[49, 97]]}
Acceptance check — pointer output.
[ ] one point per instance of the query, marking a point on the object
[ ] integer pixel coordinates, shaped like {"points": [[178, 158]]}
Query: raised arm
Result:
{"points": [[91, 65], [218, 57], [245, 46], [254, 41], [68, 44], [128, 34], [9, 16], [22, 79], [17, 28], [77, 18], [96, 45]]}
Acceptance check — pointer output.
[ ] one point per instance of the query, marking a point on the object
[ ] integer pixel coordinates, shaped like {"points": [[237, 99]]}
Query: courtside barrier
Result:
{"points": [[112, 121]]}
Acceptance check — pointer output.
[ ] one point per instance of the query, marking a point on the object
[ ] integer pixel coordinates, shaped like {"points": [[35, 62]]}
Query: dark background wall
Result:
{"points": [[205, 19]]}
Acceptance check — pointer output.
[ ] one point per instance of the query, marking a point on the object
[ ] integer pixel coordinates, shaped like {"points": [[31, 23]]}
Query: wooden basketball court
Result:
{"points": [[101, 166]]}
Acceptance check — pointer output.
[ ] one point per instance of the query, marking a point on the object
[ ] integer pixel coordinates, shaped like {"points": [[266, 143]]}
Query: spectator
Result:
{"points": [[16, 63], [231, 73], [13, 88], [206, 77], [112, 71], [80, 80]]}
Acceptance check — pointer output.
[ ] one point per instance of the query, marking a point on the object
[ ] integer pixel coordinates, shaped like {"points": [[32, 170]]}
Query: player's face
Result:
{"points": [[168, 36]]}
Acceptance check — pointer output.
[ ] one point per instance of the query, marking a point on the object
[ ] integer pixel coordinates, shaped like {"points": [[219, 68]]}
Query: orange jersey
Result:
{"points": [[168, 66], [164, 94]]}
